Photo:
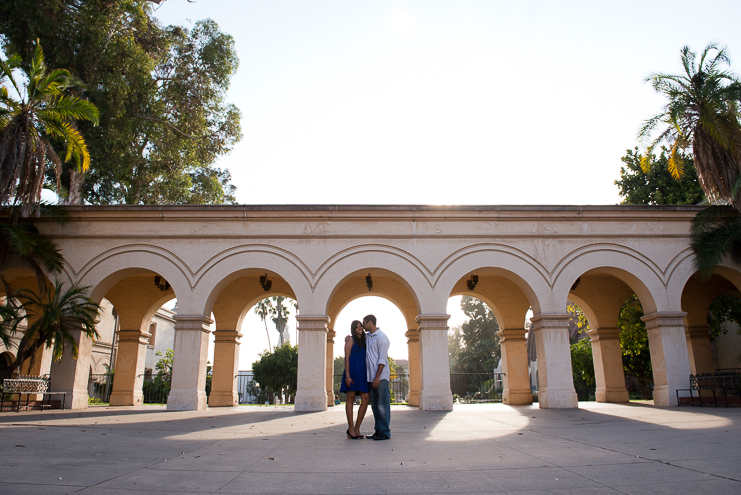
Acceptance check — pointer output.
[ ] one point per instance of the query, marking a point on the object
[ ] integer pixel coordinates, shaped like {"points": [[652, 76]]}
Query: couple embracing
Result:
{"points": [[367, 374]]}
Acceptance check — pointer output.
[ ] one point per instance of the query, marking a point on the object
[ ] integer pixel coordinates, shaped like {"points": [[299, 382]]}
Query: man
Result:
{"points": [[377, 369]]}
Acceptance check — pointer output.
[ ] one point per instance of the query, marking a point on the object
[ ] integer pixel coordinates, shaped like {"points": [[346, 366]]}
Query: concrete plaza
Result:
{"points": [[597, 449]]}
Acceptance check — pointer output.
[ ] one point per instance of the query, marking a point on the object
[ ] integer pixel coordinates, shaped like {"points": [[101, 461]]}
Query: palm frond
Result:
{"points": [[53, 83], [59, 314], [26, 125], [7, 66], [75, 144], [37, 70], [65, 108], [715, 231]]}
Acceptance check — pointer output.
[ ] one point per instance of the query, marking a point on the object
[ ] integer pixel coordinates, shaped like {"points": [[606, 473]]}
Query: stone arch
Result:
{"points": [[497, 261], [386, 285], [697, 297], [641, 275], [234, 296], [288, 273], [21, 278], [108, 269], [397, 265], [683, 270]]}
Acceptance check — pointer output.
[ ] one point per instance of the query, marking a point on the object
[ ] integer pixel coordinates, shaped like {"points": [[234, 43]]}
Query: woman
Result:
{"points": [[354, 379]]}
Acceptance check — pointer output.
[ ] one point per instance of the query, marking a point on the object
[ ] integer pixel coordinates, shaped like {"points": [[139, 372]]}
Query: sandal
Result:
{"points": [[350, 436]]}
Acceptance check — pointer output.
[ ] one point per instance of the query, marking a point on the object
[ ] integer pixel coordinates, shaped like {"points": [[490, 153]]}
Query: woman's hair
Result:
{"points": [[358, 340]]}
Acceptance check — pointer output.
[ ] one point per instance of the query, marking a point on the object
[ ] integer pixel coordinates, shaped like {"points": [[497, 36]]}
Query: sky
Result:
{"points": [[444, 102]]}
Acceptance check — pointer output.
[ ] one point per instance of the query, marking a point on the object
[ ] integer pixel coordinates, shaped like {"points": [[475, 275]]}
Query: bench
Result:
{"points": [[725, 387], [28, 385]]}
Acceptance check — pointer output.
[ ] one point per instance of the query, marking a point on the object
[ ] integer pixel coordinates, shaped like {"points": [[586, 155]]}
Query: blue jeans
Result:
{"points": [[380, 401]]}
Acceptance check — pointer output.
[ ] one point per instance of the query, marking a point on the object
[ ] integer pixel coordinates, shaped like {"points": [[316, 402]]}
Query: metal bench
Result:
{"points": [[724, 386], [28, 385]]}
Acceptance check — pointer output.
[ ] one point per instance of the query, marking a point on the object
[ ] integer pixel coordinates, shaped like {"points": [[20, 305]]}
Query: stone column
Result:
{"points": [[330, 367], [188, 390], [700, 352], [312, 363], [669, 355], [435, 394], [554, 361], [41, 366], [226, 368], [608, 365], [515, 367], [129, 377], [414, 371], [71, 374]]}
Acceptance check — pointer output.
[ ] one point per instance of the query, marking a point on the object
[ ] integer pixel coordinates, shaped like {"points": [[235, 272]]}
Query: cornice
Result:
{"points": [[501, 213]]}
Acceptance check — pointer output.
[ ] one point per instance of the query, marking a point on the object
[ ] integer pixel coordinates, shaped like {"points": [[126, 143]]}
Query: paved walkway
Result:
{"points": [[596, 449]]}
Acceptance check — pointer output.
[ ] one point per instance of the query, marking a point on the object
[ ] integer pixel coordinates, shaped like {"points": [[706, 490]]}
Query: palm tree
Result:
{"points": [[279, 315], [264, 309], [26, 245], [52, 318], [10, 315], [716, 231], [42, 111], [702, 112]]}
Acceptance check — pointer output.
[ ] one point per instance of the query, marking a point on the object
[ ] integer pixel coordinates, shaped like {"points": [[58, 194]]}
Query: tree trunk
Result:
{"points": [[76, 181]]}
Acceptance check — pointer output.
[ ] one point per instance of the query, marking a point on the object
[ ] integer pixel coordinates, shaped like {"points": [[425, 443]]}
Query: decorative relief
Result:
{"points": [[228, 336], [193, 322], [316, 323], [320, 229], [432, 322], [544, 228], [664, 319], [511, 335], [550, 321]]}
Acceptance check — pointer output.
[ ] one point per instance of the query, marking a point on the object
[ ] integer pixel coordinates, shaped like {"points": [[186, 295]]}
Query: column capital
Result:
{"points": [[664, 319], [330, 336], [193, 322], [133, 336], [604, 334], [556, 320], [313, 323], [412, 335], [432, 322], [511, 335], [226, 335]]}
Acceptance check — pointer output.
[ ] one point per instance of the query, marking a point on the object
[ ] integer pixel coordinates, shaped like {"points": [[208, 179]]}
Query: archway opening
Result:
{"points": [[254, 311], [497, 306], [268, 346], [713, 310], [475, 353], [136, 331], [613, 363], [392, 322]]}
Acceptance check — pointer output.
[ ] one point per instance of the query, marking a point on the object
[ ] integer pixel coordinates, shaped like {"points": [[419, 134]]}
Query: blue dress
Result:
{"points": [[357, 372]]}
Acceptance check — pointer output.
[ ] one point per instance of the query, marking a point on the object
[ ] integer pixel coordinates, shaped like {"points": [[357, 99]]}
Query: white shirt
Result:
{"points": [[377, 352]]}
